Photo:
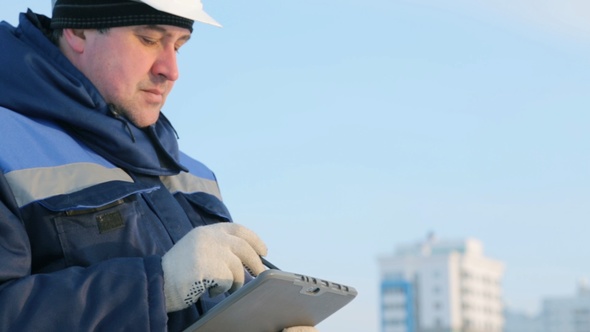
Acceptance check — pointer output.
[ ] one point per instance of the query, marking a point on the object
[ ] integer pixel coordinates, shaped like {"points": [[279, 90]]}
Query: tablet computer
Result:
{"points": [[275, 300]]}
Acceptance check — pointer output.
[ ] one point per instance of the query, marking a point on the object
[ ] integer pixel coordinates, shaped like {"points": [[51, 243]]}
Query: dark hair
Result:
{"points": [[56, 34]]}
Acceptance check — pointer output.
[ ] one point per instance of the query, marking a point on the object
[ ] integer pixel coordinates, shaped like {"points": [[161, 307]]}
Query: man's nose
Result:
{"points": [[166, 64]]}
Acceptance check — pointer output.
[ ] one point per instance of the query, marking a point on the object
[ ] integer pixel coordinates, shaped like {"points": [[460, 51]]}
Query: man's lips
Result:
{"points": [[155, 91], [154, 96]]}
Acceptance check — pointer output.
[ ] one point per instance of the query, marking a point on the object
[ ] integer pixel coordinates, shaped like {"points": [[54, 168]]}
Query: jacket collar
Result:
{"points": [[42, 83]]}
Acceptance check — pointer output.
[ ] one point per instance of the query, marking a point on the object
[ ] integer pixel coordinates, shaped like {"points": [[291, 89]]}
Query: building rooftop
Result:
{"points": [[432, 246]]}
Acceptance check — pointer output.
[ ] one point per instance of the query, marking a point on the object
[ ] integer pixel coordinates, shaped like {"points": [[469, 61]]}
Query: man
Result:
{"points": [[104, 224]]}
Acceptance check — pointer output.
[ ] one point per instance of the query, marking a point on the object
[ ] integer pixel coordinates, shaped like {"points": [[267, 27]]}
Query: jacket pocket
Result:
{"points": [[203, 208], [106, 221]]}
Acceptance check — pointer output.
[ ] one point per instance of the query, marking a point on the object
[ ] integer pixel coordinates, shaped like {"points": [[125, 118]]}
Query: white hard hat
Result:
{"points": [[188, 9], [191, 9]]}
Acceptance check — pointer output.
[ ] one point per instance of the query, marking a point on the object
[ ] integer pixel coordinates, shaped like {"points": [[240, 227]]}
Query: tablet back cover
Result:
{"points": [[275, 300]]}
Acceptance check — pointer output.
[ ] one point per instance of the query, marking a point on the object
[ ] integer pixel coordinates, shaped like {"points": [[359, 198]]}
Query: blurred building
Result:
{"points": [[558, 314], [568, 313], [517, 321], [441, 286]]}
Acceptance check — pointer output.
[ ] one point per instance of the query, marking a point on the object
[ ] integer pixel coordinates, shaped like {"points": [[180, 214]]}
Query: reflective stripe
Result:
{"points": [[33, 184], [188, 183]]}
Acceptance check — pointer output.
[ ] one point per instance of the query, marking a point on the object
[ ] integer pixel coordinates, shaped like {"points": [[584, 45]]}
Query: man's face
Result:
{"points": [[134, 68]]}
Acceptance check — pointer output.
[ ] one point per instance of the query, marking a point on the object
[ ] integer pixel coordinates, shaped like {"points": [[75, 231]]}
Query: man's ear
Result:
{"points": [[75, 39]]}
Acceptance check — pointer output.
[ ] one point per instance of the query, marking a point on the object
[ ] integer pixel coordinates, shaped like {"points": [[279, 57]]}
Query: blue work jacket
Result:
{"points": [[89, 203]]}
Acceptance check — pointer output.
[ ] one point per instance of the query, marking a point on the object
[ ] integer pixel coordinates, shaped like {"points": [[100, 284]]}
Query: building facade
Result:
{"points": [[441, 286], [518, 321], [557, 314], [567, 313]]}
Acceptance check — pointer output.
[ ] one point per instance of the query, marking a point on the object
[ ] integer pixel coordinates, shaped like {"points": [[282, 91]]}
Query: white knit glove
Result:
{"points": [[211, 258], [301, 329]]}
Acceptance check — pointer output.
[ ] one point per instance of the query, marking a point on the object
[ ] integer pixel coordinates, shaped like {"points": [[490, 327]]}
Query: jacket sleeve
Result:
{"points": [[114, 295]]}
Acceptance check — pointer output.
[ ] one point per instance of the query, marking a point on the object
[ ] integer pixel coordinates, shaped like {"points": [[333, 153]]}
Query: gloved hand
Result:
{"points": [[301, 329], [211, 258]]}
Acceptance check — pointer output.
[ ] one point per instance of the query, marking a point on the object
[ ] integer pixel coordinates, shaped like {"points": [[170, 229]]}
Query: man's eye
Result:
{"points": [[149, 41]]}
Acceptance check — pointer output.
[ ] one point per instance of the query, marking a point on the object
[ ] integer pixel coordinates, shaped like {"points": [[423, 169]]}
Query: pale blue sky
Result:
{"points": [[339, 129]]}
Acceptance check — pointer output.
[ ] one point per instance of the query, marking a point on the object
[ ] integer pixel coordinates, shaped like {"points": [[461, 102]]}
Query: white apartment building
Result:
{"points": [[441, 286]]}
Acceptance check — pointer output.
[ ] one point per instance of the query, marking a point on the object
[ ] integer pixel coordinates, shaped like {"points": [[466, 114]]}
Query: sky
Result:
{"points": [[341, 129]]}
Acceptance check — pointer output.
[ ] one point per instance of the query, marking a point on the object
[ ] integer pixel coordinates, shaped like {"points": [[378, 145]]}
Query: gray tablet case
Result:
{"points": [[275, 300]]}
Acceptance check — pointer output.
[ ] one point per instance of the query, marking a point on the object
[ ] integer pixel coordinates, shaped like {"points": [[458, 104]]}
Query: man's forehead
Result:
{"points": [[167, 30]]}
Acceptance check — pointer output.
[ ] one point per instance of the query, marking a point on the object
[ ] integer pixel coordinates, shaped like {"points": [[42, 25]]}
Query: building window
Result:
{"points": [[467, 323], [437, 323], [393, 291]]}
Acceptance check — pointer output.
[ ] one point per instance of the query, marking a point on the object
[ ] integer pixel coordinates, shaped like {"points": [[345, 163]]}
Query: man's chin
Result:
{"points": [[144, 122], [147, 116]]}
